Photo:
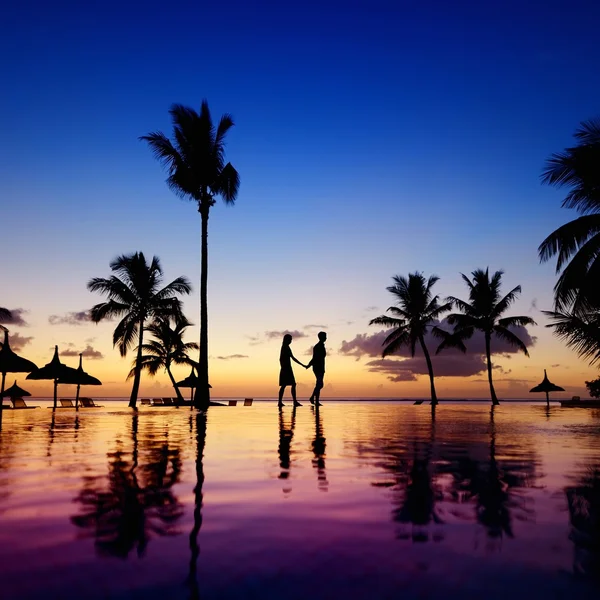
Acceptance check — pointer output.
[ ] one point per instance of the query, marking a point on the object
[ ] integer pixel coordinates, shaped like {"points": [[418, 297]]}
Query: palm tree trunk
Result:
{"points": [[434, 399], [202, 397], [138, 369], [180, 399], [488, 355]]}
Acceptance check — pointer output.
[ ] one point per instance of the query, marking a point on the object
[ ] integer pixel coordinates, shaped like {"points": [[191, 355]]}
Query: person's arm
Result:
{"points": [[311, 360], [296, 360]]}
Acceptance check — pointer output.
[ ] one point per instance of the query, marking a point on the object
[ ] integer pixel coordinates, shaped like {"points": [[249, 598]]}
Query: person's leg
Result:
{"points": [[318, 388], [312, 396], [281, 390], [296, 403]]}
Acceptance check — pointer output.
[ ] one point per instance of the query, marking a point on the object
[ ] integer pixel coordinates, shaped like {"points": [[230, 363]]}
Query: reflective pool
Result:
{"points": [[356, 500]]}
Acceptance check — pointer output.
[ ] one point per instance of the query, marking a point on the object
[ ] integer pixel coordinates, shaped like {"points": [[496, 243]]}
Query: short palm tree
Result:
{"points": [[166, 349], [135, 296], [195, 161], [577, 243], [417, 311], [580, 331], [483, 313]]}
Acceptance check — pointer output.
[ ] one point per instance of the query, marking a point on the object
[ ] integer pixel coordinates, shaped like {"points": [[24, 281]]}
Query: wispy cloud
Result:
{"points": [[449, 363], [18, 342], [277, 334], [315, 327], [70, 318], [16, 318], [89, 352], [232, 357]]}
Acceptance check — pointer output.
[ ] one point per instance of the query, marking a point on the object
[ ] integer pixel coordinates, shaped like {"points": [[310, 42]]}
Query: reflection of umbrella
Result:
{"points": [[547, 386], [11, 362], [56, 371], [79, 377], [14, 391]]}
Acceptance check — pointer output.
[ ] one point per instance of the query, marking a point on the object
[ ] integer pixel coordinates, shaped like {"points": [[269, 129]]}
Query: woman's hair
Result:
{"points": [[287, 338]]}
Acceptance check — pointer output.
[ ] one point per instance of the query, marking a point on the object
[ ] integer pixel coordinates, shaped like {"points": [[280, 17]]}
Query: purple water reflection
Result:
{"points": [[355, 501]]}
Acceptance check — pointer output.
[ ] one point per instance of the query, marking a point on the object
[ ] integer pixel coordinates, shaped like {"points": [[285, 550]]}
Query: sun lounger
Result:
{"points": [[233, 403], [65, 403], [88, 403], [248, 401], [157, 402], [19, 403], [145, 401], [417, 402]]}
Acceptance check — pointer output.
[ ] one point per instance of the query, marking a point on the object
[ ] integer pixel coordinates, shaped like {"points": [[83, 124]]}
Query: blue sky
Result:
{"points": [[371, 138]]}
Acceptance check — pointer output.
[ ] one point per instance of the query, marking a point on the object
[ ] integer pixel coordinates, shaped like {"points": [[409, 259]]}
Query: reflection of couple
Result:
{"points": [[286, 374]]}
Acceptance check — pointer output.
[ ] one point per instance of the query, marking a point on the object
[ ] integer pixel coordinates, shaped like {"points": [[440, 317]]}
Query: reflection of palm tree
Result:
{"points": [[318, 447], [139, 500], [166, 349], [198, 496], [418, 504], [584, 512], [286, 435], [135, 295], [483, 313]]}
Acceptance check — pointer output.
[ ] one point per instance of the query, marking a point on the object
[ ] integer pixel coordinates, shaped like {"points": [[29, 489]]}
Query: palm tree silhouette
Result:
{"points": [[134, 293], [482, 313], [197, 170], [5, 314], [580, 331], [166, 349], [577, 243], [416, 311]]}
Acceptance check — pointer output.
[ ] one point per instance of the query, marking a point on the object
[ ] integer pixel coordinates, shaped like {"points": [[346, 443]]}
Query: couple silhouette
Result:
{"points": [[286, 374]]}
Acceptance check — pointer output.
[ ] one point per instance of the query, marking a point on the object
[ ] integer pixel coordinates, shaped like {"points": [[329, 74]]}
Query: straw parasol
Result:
{"points": [[56, 371], [547, 386], [14, 391], [190, 381], [11, 362], [79, 377]]}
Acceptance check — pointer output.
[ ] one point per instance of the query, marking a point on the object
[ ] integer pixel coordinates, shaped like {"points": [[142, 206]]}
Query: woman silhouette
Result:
{"points": [[286, 374]]}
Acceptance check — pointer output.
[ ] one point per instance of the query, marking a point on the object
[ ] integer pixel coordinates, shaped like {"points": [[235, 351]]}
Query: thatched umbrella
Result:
{"points": [[79, 377], [14, 391], [190, 381], [56, 371], [547, 386], [11, 362]]}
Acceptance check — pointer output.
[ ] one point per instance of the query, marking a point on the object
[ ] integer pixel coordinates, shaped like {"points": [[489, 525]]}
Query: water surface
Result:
{"points": [[357, 500]]}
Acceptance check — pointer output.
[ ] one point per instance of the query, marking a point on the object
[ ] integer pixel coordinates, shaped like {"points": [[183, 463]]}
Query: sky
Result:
{"points": [[372, 139]]}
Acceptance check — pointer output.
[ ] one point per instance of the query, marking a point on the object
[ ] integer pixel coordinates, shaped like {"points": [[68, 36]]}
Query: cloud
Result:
{"points": [[449, 363], [17, 317], [89, 352], [315, 327], [17, 342], [71, 318], [533, 306], [371, 308], [278, 334], [232, 356]]}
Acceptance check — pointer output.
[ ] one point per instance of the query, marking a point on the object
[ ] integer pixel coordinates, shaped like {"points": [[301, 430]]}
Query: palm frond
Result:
{"points": [[516, 321], [508, 336], [582, 333]]}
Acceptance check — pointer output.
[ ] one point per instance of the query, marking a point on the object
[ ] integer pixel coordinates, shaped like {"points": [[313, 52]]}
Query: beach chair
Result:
{"points": [[88, 403], [66, 403], [157, 402], [145, 401], [417, 402], [248, 401], [233, 403], [19, 403], [167, 402]]}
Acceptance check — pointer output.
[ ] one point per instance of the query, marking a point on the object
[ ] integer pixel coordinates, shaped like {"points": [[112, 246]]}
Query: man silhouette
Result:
{"points": [[317, 362]]}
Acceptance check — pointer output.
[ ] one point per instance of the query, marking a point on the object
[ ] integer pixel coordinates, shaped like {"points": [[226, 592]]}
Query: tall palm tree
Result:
{"points": [[577, 243], [166, 349], [417, 311], [483, 313], [134, 295], [195, 161], [580, 331]]}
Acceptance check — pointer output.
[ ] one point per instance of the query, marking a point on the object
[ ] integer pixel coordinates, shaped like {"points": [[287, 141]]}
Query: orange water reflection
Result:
{"points": [[341, 501]]}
